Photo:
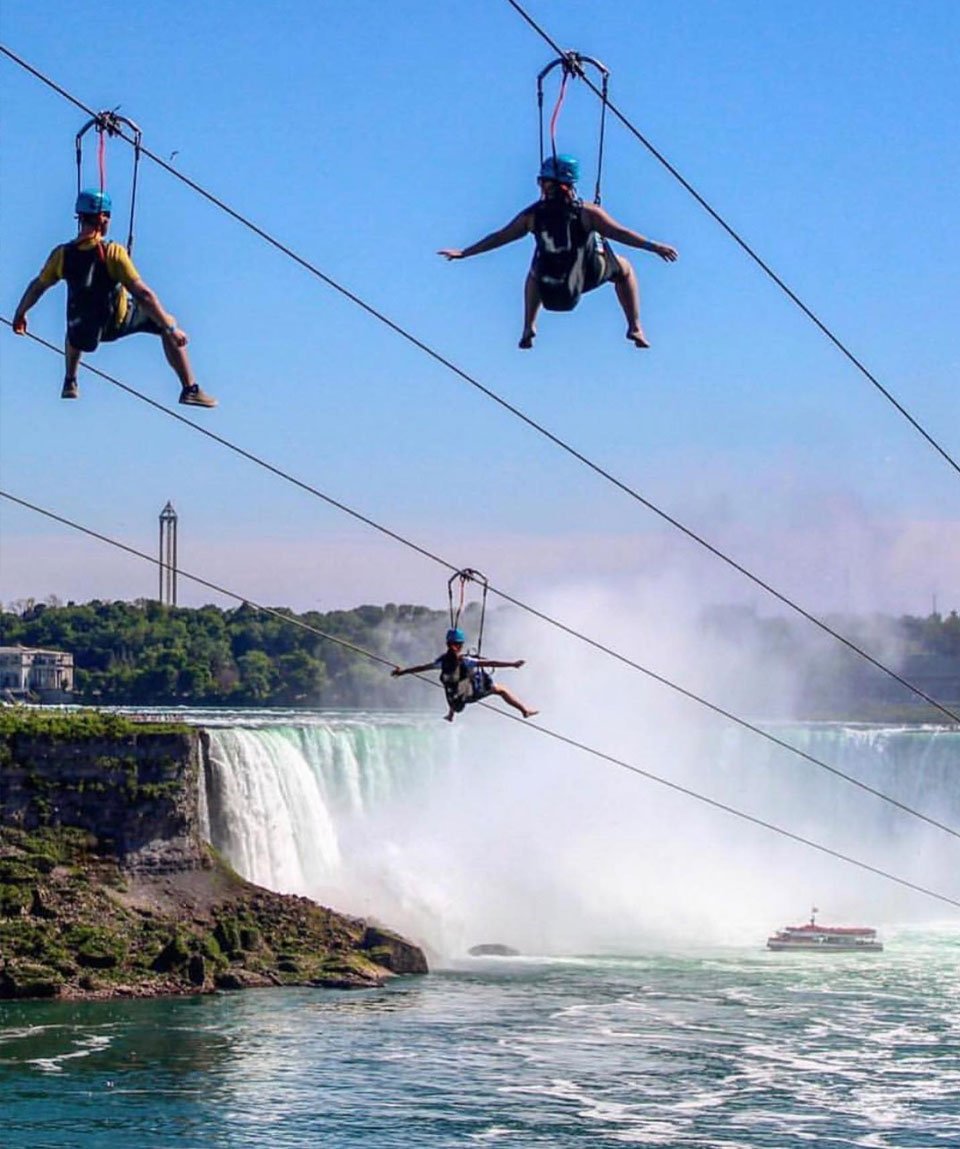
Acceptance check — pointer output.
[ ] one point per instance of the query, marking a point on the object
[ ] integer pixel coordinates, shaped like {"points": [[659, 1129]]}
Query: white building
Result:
{"points": [[27, 670]]}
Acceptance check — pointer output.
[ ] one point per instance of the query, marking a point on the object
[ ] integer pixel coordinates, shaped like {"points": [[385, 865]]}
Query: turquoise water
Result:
{"points": [[731, 1048]]}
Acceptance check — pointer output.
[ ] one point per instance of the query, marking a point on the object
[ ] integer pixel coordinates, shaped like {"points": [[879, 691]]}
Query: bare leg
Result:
{"points": [[628, 296], [178, 359], [71, 360], [512, 700], [531, 309]]}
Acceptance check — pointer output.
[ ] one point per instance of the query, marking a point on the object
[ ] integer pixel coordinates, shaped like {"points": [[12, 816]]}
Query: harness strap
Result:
{"points": [[603, 120]]}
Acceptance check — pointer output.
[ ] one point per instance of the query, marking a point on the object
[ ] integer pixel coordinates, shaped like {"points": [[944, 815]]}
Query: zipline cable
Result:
{"points": [[526, 723], [536, 613], [530, 422], [742, 243], [497, 399], [259, 461]]}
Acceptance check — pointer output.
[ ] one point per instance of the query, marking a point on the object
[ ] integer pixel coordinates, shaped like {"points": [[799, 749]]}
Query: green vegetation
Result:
{"points": [[74, 924], [145, 654], [74, 726]]}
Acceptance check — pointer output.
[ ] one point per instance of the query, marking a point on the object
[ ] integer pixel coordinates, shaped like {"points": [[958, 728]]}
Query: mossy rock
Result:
{"points": [[24, 979], [40, 907], [228, 937], [43, 862], [250, 939], [197, 969], [14, 900], [174, 954], [15, 870], [209, 947], [95, 948]]}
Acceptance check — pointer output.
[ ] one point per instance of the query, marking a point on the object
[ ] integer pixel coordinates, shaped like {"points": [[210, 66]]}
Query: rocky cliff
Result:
{"points": [[106, 887]]}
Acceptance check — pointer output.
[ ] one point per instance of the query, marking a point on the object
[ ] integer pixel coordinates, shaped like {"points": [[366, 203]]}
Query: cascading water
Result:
{"points": [[482, 833]]}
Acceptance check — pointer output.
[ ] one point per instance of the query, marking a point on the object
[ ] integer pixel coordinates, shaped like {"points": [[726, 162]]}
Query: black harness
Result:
{"points": [[563, 243], [91, 293], [460, 684]]}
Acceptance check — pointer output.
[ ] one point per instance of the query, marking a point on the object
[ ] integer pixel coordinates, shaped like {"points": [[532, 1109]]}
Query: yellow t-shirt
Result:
{"points": [[119, 267]]}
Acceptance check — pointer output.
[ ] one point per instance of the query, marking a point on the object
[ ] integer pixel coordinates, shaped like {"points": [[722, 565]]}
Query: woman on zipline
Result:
{"points": [[572, 253]]}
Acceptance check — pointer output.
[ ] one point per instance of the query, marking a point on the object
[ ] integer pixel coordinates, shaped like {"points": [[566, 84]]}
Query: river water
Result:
{"points": [[645, 1010], [724, 1049]]}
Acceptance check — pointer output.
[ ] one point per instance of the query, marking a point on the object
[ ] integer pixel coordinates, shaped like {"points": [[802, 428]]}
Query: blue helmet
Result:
{"points": [[563, 169], [456, 635], [92, 201]]}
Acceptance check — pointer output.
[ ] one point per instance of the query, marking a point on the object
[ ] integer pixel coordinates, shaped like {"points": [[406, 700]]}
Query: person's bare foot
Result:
{"points": [[448, 717], [530, 713], [637, 338], [526, 339]]}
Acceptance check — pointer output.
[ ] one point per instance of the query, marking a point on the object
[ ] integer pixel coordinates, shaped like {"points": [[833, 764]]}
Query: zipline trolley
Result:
{"points": [[572, 65]]}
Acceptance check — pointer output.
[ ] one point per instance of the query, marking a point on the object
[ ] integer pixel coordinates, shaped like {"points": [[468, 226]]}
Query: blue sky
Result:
{"points": [[366, 136]]}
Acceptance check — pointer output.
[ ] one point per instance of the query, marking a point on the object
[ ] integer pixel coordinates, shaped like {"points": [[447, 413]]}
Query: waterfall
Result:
{"points": [[483, 832]]}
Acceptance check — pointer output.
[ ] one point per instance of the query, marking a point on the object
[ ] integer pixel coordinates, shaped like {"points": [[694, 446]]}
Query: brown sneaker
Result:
{"points": [[194, 397], [70, 389]]}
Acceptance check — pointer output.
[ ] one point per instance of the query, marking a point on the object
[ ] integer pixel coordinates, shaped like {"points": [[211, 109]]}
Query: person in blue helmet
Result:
{"points": [[106, 300], [465, 677], [573, 254]]}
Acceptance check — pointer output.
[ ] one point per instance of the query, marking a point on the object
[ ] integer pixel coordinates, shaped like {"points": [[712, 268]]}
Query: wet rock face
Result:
{"points": [[107, 889], [393, 952], [136, 792]]}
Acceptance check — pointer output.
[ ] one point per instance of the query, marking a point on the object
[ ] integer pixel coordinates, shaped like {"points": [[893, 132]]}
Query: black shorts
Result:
{"points": [[603, 266], [85, 333], [595, 264]]}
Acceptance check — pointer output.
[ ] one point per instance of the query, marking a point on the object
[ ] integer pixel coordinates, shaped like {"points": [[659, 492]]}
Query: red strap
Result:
{"points": [[556, 110], [102, 157]]}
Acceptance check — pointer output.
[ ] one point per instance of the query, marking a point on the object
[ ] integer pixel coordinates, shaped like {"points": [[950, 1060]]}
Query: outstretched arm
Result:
{"points": [[518, 227], [596, 219], [35, 290], [397, 670], [493, 664]]}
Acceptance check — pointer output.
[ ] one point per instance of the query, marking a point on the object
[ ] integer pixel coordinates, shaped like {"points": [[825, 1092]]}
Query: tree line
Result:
{"points": [[142, 653]]}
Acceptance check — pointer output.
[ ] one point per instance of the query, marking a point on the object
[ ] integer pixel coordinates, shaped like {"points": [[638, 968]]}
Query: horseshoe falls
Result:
{"points": [[643, 1008], [486, 832]]}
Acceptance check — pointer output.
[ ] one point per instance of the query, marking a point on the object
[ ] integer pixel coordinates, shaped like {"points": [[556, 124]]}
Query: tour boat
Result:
{"points": [[825, 939]]}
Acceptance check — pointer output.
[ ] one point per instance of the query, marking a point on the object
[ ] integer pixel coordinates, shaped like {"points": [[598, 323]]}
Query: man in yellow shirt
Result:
{"points": [[106, 300]]}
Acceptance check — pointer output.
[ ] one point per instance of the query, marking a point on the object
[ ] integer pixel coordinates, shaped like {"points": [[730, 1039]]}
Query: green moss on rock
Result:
{"points": [[81, 914]]}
